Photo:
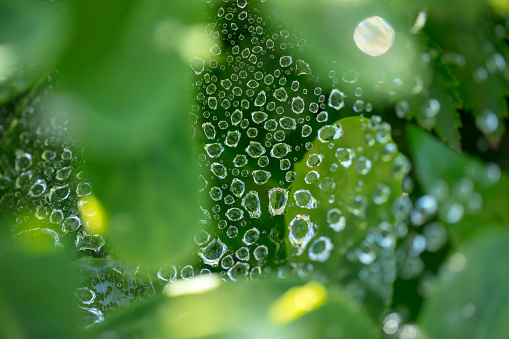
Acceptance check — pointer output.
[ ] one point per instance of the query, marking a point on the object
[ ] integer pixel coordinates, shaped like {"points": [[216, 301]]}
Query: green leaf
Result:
{"points": [[128, 107], [444, 89], [483, 85], [471, 194], [31, 36], [470, 298], [341, 221], [272, 308], [37, 295]]}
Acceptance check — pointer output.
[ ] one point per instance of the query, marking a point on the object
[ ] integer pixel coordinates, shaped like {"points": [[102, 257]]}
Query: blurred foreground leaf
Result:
{"points": [[247, 310], [471, 195], [342, 221], [123, 85], [31, 36], [471, 298], [37, 296]]}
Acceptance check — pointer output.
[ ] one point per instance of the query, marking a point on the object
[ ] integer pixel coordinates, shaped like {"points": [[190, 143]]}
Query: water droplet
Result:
{"points": [[278, 197], [38, 188], [213, 252], [328, 185], [345, 156], [285, 61], [236, 118], [59, 193], [251, 204], [240, 160], [330, 132], [219, 170], [261, 98], [336, 219], [487, 122], [314, 160], [320, 249], [304, 199], [381, 194], [363, 165], [255, 149], [72, 223], [301, 231], [261, 252], [251, 236], [280, 150], [201, 237], [232, 232], [187, 272], [23, 161], [209, 130], [242, 254], [235, 214], [281, 94], [336, 99], [56, 216], [259, 117], [374, 36], [311, 177], [167, 273], [197, 64], [260, 177], [238, 271], [232, 139], [298, 105], [288, 123], [214, 150]]}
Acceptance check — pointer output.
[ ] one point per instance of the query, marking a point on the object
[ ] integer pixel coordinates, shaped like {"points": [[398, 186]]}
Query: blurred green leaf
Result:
{"points": [[124, 87], [475, 50], [37, 295], [471, 298], [471, 194], [329, 26], [31, 36], [359, 179], [247, 310], [123, 73]]}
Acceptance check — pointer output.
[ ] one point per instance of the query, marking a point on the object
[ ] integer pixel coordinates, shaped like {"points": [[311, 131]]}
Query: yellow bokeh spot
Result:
{"points": [[296, 302], [501, 5], [92, 214]]}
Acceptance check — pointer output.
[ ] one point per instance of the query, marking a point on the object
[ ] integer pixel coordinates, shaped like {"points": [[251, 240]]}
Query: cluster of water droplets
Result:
{"points": [[258, 108]]}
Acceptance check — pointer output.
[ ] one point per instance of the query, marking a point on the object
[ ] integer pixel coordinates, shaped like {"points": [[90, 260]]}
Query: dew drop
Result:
{"points": [[374, 36]]}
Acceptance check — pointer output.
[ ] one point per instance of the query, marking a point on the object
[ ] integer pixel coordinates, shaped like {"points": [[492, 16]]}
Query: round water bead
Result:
{"points": [[301, 231], [374, 36], [320, 249]]}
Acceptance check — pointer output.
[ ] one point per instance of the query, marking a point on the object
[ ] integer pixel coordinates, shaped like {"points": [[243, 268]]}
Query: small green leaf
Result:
{"points": [[444, 90], [470, 193], [470, 298], [341, 220]]}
